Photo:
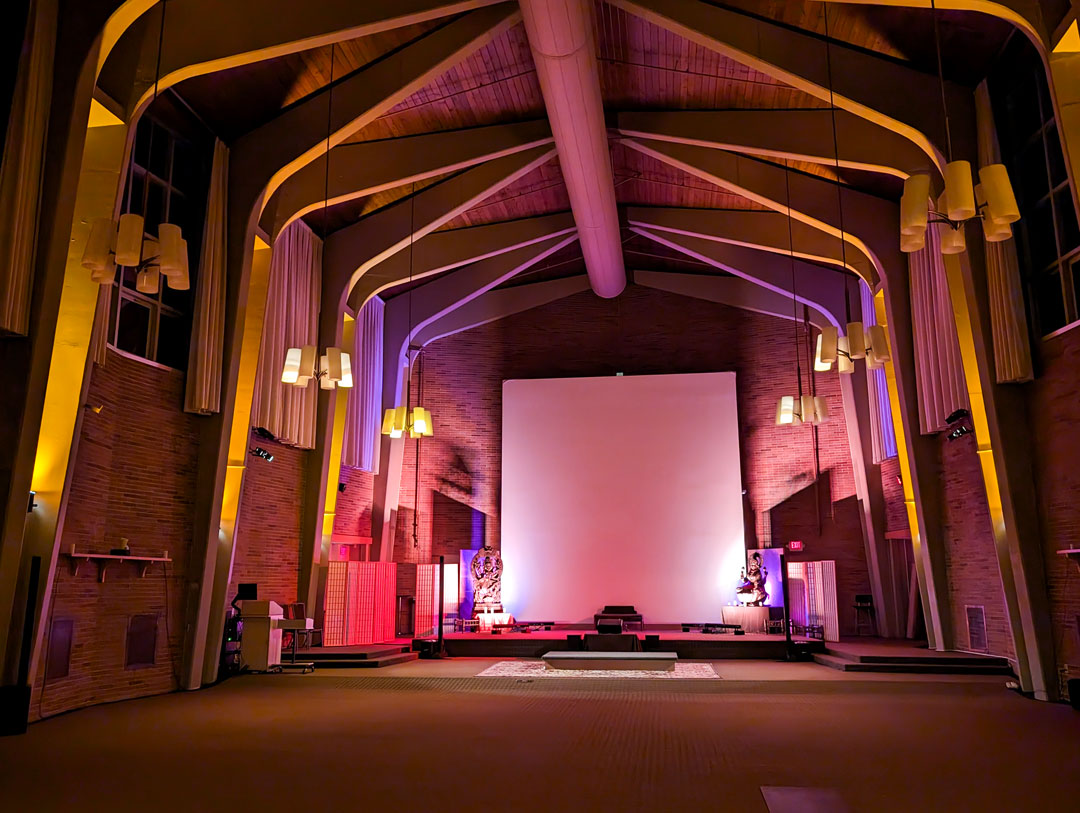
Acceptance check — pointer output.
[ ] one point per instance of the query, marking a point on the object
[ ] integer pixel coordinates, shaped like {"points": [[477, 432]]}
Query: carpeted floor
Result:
{"points": [[329, 742]]}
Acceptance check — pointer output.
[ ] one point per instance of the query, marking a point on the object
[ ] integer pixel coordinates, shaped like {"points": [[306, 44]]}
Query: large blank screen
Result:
{"points": [[621, 490]]}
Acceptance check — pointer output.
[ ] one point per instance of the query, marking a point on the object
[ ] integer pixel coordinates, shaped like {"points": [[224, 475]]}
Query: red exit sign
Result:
{"points": [[795, 545]]}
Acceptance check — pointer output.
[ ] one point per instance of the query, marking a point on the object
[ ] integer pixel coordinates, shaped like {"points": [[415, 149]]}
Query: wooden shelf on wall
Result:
{"points": [[103, 561]]}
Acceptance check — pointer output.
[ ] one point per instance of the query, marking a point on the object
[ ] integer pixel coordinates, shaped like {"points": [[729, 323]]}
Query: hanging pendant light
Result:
{"points": [[991, 200], [416, 421], [865, 343], [331, 369], [112, 243]]}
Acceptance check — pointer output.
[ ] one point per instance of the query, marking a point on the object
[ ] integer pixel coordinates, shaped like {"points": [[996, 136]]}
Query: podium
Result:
{"points": [[260, 644]]}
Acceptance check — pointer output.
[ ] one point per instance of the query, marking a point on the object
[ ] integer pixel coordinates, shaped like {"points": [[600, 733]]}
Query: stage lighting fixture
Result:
{"points": [[259, 451], [957, 424]]}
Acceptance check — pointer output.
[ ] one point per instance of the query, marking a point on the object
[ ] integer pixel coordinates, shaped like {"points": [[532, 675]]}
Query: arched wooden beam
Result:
{"points": [[871, 224], [754, 228], [804, 135], [445, 250], [207, 36], [884, 91], [364, 168]]}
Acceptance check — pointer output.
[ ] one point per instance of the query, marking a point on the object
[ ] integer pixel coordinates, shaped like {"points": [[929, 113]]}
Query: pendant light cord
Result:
{"points": [[941, 81], [794, 298], [836, 142], [329, 125]]}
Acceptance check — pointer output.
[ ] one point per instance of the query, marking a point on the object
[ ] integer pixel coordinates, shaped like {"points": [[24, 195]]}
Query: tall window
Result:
{"points": [[1048, 237], [167, 184]]}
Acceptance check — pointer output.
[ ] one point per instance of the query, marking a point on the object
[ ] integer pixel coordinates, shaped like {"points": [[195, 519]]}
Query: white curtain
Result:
{"points": [[21, 168], [882, 433], [1008, 322], [363, 414], [291, 320], [203, 388], [939, 372]]}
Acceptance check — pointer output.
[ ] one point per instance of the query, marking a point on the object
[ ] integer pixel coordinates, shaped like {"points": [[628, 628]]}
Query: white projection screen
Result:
{"points": [[621, 490]]}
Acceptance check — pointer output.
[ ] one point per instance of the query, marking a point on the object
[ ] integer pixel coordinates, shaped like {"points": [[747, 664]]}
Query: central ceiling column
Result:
{"points": [[564, 50]]}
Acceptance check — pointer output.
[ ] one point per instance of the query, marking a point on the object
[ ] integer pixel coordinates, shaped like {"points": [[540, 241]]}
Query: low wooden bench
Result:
{"points": [[645, 661]]}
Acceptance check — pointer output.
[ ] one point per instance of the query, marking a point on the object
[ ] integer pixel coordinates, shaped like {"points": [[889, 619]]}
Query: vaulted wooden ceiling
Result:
{"points": [[642, 67]]}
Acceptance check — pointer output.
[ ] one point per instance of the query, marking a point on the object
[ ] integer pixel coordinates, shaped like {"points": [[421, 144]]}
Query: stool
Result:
{"points": [[864, 614]]}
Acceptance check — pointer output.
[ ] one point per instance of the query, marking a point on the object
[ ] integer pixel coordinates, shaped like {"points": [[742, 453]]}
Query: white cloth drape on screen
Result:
{"points": [[203, 388], [20, 168], [882, 432], [363, 414], [291, 320], [939, 372], [1008, 322]]}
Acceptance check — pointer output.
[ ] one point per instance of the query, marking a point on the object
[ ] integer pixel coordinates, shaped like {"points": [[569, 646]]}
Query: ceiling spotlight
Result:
{"points": [[957, 425], [259, 451], [958, 432]]}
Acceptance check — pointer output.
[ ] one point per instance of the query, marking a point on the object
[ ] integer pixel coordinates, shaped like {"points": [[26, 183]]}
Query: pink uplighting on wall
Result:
{"points": [[359, 603]]}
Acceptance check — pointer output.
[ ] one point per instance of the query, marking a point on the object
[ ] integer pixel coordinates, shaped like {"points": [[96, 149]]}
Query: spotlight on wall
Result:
{"points": [[958, 426], [259, 451], [95, 408], [341, 488]]}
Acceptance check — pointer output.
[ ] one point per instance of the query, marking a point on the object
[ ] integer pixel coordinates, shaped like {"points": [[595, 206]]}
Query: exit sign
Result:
{"points": [[795, 544]]}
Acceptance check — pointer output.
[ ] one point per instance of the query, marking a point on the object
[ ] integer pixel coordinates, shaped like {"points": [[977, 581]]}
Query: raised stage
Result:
{"points": [[688, 645]]}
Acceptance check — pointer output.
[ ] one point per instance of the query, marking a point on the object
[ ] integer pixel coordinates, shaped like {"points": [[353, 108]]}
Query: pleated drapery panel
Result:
{"points": [[21, 168], [939, 372], [203, 387], [363, 414], [1008, 321], [882, 433], [291, 320]]}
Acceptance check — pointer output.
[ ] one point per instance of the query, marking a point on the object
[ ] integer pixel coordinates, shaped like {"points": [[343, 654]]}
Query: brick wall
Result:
{"points": [[970, 555], [641, 332], [892, 488], [1054, 412], [267, 549], [134, 477]]}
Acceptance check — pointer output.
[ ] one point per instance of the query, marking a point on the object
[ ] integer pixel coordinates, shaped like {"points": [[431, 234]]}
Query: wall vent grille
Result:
{"points": [[976, 624]]}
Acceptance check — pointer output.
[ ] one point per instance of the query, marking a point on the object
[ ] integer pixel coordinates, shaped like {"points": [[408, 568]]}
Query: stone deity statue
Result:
{"points": [[751, 590], [487, 568]]}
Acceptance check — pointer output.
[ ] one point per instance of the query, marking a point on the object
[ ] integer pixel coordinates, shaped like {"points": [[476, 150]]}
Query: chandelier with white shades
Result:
{"points": [[991, 200], [124, 242], [332, 368]]}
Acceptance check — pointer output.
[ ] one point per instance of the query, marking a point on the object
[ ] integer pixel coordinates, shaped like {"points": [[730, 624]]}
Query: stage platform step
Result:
{"points": [[942, 664], [357, 657]]}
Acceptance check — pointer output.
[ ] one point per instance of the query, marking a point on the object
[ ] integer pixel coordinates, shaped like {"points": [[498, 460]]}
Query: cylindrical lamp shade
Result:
{"points": [[96, 256], [806, 408], [913, 203], [307, 360], [332, 361], [1000, 199], [959, 191], [326, 383], [844, 363], [346, 371], [394, 422], [169, 238], [910, 243], [821, 409], [825, 356], [879, 343], [129, 240], [419, 422], [856, 340], [148, 280], [105, 276], [785, 411], [952, 240], [292, 366]]}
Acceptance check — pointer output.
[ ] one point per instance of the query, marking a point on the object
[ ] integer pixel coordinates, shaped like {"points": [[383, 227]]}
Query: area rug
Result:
{"points": [[537, 669]]}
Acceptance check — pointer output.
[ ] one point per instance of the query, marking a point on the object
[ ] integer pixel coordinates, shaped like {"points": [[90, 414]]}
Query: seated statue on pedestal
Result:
{"points": [[751, 591], [487, 568]]}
